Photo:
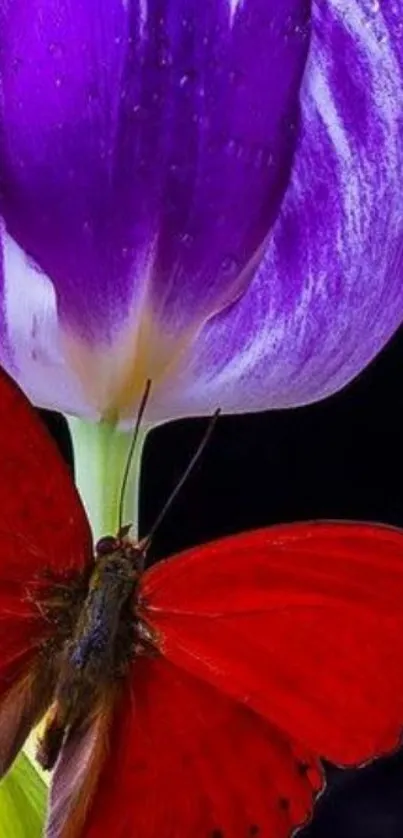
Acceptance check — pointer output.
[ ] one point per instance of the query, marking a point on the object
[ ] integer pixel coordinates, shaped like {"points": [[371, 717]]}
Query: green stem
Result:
{"points": [[100, 454]]}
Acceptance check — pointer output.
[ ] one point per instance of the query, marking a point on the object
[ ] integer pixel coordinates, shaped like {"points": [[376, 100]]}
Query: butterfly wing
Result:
{"points": [[77, 771], [21, 708], [186, 760], [44, 539], [42, 523], [277, 647], [301, 623]]}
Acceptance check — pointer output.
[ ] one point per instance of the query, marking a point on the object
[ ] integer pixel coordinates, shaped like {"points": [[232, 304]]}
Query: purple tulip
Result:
{"points": [[207, 192]]}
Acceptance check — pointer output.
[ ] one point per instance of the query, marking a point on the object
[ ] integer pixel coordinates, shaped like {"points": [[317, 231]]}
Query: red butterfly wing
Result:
{"points": [[76, 775], [43, 527], [187, 761], [43, 522], [302, 623], [277, 647]]}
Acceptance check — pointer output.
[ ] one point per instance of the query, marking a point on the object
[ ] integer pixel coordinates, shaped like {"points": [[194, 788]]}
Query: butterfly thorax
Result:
{"points": [[98, 651], [95, 647]]}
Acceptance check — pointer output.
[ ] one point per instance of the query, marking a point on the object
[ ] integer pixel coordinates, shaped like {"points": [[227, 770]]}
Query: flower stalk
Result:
{"points": [[101, 451]]}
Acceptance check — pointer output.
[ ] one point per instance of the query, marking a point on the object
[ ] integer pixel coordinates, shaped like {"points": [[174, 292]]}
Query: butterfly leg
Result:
{"points": [[144, 647], [30, 597], [50, 744]]}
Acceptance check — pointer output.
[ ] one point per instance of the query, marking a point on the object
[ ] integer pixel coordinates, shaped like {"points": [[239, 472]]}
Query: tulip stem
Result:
{"points": [[100, 457]]}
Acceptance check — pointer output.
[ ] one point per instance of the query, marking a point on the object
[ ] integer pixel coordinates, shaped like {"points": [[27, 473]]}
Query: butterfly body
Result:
{"points": [[103, 639]]}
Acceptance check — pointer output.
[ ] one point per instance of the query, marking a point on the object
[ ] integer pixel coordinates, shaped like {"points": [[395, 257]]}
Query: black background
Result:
{"points": [[342, 458]]}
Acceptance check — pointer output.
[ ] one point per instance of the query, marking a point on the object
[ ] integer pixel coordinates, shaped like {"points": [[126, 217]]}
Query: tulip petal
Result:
{"points": [[30, 335], [329, 293], [145, 148]]}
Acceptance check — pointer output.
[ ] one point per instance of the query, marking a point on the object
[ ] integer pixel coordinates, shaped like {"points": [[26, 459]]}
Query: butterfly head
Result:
{"points": [[121, 550]]}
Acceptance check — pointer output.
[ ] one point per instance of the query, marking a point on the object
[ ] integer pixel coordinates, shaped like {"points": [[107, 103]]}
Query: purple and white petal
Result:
{"points": [[329, 293], [145, 148], [329, 290], [30, 336]]}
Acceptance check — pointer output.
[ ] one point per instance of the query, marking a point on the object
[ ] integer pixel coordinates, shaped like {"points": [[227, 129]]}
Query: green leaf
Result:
{"points": [[22, 801]]}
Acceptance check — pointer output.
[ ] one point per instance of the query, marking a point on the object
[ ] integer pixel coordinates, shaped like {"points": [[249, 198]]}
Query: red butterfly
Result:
{"points": [[193, 700]]}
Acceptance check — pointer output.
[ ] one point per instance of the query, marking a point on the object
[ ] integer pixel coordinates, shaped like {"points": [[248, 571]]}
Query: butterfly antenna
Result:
{"points": [[145, 542], [140, 414]]}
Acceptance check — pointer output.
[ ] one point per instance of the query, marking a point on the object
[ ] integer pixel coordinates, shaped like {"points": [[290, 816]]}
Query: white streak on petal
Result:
{"points": [[313, 318], [143, 14], [234, 5], [34, 335]]}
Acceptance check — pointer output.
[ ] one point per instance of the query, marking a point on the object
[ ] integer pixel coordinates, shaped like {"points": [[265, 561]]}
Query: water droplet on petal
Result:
{"points": [[186, 239], [229, 265], [236, 148], [56, 50]]}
